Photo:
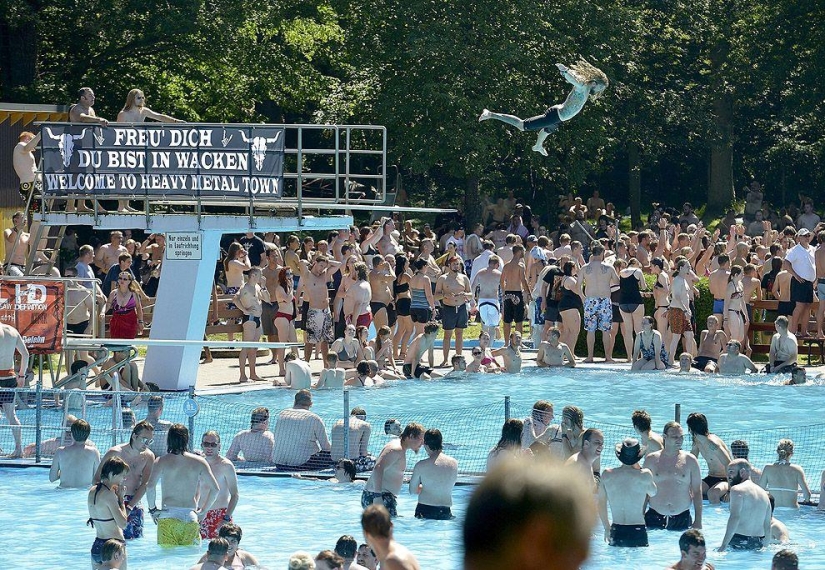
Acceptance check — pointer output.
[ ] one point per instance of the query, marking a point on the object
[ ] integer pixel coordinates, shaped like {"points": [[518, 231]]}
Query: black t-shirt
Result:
{"points": [[254, 247], [551, 277]]}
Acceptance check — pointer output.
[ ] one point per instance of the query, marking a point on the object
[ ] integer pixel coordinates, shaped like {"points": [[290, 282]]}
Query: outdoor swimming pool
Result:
{"points": [[280, 515]]}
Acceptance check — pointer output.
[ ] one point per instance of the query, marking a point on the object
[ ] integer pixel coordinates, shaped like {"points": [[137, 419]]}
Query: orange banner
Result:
{"points": [[35, 309]]}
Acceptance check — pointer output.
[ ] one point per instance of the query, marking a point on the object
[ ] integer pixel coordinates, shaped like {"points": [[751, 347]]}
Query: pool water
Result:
{"points": [[280, 516], [45, 528]]}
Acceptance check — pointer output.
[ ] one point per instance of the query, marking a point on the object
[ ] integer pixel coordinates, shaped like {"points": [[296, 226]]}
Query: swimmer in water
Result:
{"points": [[511, 354], [553, 353], [587, 81], [734, 363], [693, 551]]}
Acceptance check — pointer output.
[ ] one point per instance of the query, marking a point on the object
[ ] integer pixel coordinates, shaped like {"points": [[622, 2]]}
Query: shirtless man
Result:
{"points": [[678, 480], [140, 460], [716, 455], [257, 442], [319, 316], [83, 112], [16, 240], [539, 426], [784, 348], [711, 343], [734, 363], [215, 556], [651, 440], [377, 525], [236, 559], [188, 489], [505, 252], [420, 345], [486, 286], [693, 552], [591, 451], [357, 298], [453, 290], [76, 464], [554, 353], [224, 505], [749, 524], [108, 254], [384, 483], [625, 489], [599, 278], [516, 291], [718, 284], [11, 342], [25, 163], [359, 438], [433, 480], [249, 300], [511, 353]]}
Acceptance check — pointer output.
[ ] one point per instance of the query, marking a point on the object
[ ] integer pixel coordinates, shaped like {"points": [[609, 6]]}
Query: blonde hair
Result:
{"points": [[785, 449], [585, 72], [130, 99], [301, 561]]}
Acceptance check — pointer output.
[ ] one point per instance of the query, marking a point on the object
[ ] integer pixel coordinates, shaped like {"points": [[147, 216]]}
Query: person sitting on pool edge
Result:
{"points": [[733, 362], [784, 348], [418, 348]]}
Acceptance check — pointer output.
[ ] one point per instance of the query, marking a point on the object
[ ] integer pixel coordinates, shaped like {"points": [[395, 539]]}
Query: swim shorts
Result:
{"points": [[538, 316], [629, 535], [678, 320], [718, 306], [364, 463], [321, 460], [97, 548], [548, 122], [212, 523], [701, 362], [253, 319], [802, 292], [742, 542], [490, 312], [712, 481], [364, 320], [820, 289], [785, 308], [175, 532], [319, 326], [231, 291], [454, 317], [654, 519], [77, 328], [421, 314], [390, 501], [403, 306], [419, 370], [423, 511], [268, 311], [514, 309], [7, 397], [598, 314], [134, 520]]}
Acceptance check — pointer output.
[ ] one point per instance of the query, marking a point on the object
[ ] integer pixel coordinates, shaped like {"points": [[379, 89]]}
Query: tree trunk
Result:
{"points": [[635, 184], [472, 203], [720, 186]]}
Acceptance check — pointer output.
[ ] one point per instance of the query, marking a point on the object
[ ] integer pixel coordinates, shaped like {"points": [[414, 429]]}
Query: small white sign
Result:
{"points": [[191, 408], [184, 246]]}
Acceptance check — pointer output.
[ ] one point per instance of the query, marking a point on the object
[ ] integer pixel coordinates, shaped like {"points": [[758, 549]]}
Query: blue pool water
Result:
{"points": [[280, 515]]}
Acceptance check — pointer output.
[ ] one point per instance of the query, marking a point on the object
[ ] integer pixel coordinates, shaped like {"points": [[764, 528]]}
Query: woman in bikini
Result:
{"points": [[422, 304], [362, 333], [107, 514], [235, 264], [382, 346], [734, 311], [487, 358], [631, 304], [348, 349], [285, 317], [570, 305], [347, 279], [661, 296], [509, 445], [648, 350], [403, 302], [784, 480]]}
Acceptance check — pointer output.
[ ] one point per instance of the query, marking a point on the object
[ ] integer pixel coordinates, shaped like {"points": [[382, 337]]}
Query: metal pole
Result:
{"points": [[677, 413], [346, 423], [38, 413], [506, 408], [191, 420]]}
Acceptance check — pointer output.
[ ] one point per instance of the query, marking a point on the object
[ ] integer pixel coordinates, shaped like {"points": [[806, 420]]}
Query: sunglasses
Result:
{"points": [[123, 279], [209, 444], [147, 440]]}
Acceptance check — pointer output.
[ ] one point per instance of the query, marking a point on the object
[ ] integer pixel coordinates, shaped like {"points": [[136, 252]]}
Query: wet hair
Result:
{"points": [[517, 494], [112, 467], [413, 429], [376, 521], [155, 403], [111, 548], [433, 439], [697, 424], [346, 547], [388, 424], [218, 547], [691, 537], [785, 560], [259, 415], [212, 433], [142, 425], [331, 558], [739, 449], [177, 439], [510, 434], [540, 407], [363, 368], [784, 450], [303, 397], [348, 466], [553, 332], [589, 433], [81, 430], [641, 420], [669, 425], [574, 414], [230, 530]]}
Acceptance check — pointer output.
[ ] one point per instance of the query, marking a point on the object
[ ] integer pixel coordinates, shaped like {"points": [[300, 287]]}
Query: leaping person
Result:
{"points": [[587, 81]]}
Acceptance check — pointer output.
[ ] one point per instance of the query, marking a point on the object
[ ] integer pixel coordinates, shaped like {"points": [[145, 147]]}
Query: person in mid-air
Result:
{"points": [[587, 81]]}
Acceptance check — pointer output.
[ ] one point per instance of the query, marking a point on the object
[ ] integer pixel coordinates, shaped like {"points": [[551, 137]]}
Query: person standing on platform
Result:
{"points": [[16, 240], [25, 165], [83, 112]]}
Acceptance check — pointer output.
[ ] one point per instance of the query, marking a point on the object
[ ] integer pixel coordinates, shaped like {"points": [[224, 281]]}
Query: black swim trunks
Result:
{"points": [[435, 513], [742, 542], [7, 397], [248, 318], [548, 122], [390, 501], [711, 480], [454, 317], [628, 535], [77, 328], [514, 309], [655, 519], [700, 362], [320, 460], [785, 308], [802, 292], [419, 370], [97, 548]]}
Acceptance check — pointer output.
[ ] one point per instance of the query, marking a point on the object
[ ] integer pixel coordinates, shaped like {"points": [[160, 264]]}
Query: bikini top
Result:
{"points": [[127, 308], [401, 287], [344, 356], [91, 521]]}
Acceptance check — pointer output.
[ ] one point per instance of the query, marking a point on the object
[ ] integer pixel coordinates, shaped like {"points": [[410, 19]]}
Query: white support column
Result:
{"points": [[181, 311]]}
